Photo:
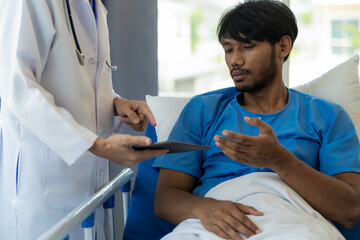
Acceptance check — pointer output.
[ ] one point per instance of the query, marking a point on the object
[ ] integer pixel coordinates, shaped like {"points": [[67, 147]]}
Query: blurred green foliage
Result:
{"points": [[196, 19]]}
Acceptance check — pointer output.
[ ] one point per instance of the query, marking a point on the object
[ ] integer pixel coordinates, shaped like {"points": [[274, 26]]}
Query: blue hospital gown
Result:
{"points": [[317, 132]]}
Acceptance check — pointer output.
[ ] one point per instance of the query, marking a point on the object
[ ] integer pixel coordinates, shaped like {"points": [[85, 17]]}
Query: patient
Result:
{"points": [[280, 160]]}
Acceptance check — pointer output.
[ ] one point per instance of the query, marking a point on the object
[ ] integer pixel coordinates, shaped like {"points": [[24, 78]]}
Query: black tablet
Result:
{"points": [[174, 147]]}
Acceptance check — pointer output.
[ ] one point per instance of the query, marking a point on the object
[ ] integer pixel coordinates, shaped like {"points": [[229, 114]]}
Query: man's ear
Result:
{"points": [[284, 46]]}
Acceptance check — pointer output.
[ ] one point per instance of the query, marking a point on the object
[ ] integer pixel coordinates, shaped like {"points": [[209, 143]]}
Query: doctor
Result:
{"points": [[58, 103]]}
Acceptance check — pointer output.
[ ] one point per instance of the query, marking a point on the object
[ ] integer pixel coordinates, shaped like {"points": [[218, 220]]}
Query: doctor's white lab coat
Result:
{"points": [[52, 111]]}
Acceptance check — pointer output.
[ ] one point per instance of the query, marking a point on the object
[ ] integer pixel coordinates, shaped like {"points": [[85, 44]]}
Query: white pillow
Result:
{"points": [[340, 85], [166, 111]]}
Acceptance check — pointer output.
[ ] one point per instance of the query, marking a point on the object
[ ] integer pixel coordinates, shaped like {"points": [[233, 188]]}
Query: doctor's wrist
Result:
{"points": [[99, 146], [118, 102]]}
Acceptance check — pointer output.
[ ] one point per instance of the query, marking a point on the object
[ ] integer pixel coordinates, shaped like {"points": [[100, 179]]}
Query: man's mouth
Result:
{"points": [[238, 75]]}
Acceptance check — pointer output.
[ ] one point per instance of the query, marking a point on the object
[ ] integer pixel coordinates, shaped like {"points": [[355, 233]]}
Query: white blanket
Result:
{"points": [[286, 215]]}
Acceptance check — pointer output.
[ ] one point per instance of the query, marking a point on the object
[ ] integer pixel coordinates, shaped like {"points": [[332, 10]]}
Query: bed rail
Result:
{"points": [[74, 218]]}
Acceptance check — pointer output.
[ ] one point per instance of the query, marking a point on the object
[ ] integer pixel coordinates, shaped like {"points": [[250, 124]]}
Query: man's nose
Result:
{"points": [[237, 59]]}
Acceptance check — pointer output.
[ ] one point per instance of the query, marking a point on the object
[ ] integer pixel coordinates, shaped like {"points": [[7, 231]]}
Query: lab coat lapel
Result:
{"points": [[86, 31], [81, 10], [104, 74], [103, 32], [85, 27]]}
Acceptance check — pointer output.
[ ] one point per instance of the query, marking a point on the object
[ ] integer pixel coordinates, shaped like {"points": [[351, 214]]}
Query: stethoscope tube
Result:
{"points": [[79, 53]]}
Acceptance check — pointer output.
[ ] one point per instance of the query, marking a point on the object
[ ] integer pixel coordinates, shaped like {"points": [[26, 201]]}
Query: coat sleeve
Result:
{"points": [[26, 36]]}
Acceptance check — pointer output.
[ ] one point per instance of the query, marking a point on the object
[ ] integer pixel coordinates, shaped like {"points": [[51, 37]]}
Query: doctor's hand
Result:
{"points": [[117, 148], [263, 151], [134, 113]]}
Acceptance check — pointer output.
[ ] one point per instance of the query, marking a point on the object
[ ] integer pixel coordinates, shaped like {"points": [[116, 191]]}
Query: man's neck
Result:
{"points": [[269, 100]]}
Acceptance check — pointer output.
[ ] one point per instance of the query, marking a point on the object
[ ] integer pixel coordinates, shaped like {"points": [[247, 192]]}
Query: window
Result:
{"points": [[345, 35], [191, 60], [190, 57], [328, 35]]}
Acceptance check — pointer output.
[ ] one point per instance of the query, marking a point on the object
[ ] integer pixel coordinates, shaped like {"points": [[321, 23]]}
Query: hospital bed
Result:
{"points": [[340, 85]]}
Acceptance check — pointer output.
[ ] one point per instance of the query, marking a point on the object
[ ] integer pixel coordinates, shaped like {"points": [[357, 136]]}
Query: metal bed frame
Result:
{"points": [[84, 213]]}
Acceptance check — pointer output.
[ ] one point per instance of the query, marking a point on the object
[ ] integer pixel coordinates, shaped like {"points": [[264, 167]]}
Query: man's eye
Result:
{"points": [[228, 50], [248, 47]]}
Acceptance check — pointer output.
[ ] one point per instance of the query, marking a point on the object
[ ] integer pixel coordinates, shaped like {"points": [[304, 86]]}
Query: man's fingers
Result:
{"points": [[223, 142], [224, 234], [227, 231], [238, 223], [232, 149], [238, 138], [249, 210], [239, 152], [261, 125], [245, 220]]}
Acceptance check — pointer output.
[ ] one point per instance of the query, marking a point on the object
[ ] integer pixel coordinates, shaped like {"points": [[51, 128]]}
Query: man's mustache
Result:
{"points": [[235, 71]]}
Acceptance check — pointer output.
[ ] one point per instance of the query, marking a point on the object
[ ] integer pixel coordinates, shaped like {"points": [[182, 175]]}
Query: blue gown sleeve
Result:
{"points": [[340, 149], [188, 128]]}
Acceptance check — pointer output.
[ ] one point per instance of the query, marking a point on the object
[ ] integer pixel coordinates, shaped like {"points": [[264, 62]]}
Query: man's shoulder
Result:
{"points": [[321, 107], [216, 96], [312, 100]]}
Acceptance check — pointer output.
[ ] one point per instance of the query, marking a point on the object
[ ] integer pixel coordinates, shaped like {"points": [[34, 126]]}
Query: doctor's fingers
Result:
{"points": [[129, 116], [140, 126], [140, 107], [145, 110], [120, 151], [128, 152], [126, 140], [132, 157]]}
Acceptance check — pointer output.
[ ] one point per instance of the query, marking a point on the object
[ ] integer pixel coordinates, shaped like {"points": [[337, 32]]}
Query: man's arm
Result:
{"points": [[175, 202], [337, 197]]}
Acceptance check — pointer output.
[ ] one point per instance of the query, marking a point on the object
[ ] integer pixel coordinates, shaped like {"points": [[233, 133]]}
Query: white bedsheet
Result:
{"points": [[286, 215]]}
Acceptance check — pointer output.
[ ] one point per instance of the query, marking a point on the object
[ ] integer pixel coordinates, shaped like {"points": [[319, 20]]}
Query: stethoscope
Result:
{"points": [[79, 54]]}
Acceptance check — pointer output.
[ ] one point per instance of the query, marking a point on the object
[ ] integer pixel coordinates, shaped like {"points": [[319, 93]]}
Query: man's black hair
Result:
{"points": [[259, 20]]}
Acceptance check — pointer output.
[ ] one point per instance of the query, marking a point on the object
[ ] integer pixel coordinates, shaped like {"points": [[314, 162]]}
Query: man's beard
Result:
{"points": [[266, 76]]}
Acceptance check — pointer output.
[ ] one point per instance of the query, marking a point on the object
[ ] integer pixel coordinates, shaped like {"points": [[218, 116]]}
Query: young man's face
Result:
{"points": [[252, 65]]}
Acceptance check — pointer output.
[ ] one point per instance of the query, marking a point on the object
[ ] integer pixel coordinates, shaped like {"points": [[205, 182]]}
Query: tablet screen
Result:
{"points": [[174, 147]]}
